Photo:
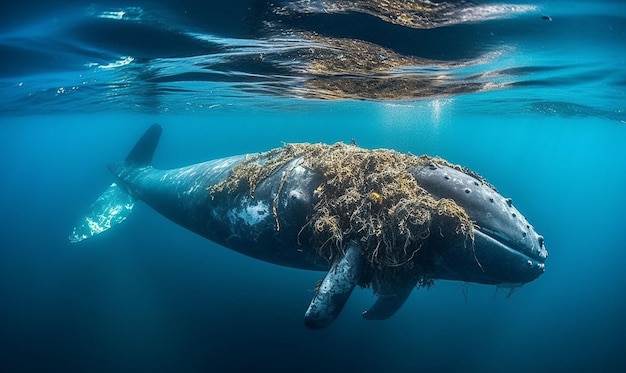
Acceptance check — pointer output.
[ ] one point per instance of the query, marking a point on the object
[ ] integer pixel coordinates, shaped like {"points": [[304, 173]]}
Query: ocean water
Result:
{"points": [[531, 95]]}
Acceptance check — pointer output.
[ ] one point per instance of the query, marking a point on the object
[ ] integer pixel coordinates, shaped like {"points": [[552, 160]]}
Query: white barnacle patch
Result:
{"points": [[298, 170], [251, 212]]}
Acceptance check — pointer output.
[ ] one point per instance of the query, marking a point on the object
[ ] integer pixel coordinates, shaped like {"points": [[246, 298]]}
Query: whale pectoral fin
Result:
{"points": [[110, 209], [335, 288], [390, 302]]}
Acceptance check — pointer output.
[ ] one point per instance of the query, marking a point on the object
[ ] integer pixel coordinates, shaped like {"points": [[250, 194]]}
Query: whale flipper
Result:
{"points": [[115, 204], [389, 302], [335, 289]]}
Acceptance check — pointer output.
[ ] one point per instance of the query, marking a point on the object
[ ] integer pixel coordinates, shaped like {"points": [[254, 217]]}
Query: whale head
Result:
{"points": [[505, 248]]}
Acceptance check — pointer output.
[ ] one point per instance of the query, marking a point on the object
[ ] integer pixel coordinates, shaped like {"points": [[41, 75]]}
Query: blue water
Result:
{"points": [[536, 106]]}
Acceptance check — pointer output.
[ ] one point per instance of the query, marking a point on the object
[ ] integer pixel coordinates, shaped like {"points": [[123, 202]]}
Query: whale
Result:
{"points": [[446, 223]]}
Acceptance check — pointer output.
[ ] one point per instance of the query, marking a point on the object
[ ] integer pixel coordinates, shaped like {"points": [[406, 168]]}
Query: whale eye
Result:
{"points": [[467, 191]]}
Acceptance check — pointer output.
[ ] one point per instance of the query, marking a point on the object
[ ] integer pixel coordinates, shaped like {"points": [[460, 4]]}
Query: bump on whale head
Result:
{"points": [[505, 250]]}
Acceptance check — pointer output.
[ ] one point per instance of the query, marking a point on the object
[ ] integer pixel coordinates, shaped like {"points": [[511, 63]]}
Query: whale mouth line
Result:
{"points": [[517, 251]]}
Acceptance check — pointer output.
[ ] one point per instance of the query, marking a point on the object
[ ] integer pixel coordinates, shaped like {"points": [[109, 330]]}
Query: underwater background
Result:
{"points": [[531, 95]]}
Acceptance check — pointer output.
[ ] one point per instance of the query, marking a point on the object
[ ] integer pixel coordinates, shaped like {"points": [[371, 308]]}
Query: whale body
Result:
{"points": [[266, 220]]}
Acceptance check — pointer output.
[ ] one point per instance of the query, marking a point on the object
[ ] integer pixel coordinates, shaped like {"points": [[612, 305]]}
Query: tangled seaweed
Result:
{"points": [[371, 197]]}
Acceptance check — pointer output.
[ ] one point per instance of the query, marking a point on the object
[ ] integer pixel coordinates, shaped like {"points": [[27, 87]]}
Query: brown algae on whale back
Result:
{"points": [[371, 197]]}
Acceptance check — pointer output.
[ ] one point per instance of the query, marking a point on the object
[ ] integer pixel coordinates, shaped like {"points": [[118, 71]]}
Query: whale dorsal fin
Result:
{"points": [[143, 151], [335, 289]]}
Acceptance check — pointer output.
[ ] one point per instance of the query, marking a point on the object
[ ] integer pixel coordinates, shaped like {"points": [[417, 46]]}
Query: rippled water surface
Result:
{"points": [[193, 56]]}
